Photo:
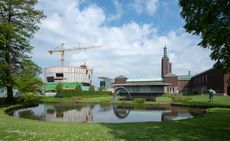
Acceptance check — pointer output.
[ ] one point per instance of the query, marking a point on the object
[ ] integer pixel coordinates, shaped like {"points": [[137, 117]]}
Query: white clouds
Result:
{"points": [[133, 49], [145, 6]]}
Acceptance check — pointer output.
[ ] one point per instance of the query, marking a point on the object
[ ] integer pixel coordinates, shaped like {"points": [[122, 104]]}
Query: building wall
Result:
{"points": [[174, 84], [68, 74], [120, 80], [210, 79], [165, 67], [183, 85], [172, 80]]}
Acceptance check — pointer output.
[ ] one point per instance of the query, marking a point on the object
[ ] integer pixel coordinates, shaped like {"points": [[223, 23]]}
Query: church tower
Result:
{"points": [[166, 66]]}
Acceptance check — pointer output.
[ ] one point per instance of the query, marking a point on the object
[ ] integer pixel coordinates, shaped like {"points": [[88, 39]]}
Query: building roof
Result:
{"points": [[170, 75], [184, 77], [105, 78], [150, 83], [203, 72], [143, 79], [121, 76]]}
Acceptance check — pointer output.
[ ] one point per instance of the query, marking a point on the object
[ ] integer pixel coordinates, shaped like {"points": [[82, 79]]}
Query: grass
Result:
{"points": [[202, 100], [213, 126]]}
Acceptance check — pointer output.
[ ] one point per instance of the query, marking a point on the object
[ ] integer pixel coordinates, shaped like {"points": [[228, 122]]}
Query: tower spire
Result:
{"points": [[165, 51]]}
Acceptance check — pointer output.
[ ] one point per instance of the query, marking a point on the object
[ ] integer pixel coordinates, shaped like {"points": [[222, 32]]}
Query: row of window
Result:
{"points": [[202, 79]]}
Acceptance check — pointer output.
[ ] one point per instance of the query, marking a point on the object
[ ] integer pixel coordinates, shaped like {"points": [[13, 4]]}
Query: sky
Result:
{"points": [[132, 34]]}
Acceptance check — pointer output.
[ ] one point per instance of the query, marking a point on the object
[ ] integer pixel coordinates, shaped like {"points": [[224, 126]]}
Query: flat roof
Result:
{"points": [[143, 84], [143, 79]]}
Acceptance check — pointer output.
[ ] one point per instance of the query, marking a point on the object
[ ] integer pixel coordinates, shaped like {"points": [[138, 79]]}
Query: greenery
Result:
{"points": [[210, 20], [139, 100], [28, 98], [215, 125], [28, 80], [91, 89], [59, 88], [18, 22], [78, 89]]}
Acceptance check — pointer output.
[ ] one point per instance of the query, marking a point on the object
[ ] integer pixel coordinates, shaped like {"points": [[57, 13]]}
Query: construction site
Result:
{"points": [[68, 76]]}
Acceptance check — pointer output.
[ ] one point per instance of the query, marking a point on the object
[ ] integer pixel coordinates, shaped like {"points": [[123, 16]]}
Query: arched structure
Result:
{"points": [[116, 92]]}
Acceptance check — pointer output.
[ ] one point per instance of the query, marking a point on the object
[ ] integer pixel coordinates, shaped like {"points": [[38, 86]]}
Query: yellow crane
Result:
{"points": [[62, 50]]}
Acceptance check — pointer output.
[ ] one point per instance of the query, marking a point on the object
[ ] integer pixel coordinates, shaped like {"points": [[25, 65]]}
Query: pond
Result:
{"points": [[105, 113]]}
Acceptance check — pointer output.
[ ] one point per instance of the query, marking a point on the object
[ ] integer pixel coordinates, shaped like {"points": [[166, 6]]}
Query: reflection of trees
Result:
{"points": [[121, 111], [29, 114]]}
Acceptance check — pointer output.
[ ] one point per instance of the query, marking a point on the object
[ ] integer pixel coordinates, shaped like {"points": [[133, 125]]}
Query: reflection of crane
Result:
{"points": [[62, 50]]}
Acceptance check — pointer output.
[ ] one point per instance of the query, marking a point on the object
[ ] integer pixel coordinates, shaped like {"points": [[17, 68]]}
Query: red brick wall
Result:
{"points": [[183, 85], [120, 80], [171, 80]]}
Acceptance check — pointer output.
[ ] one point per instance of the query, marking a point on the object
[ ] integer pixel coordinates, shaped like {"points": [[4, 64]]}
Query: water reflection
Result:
{"points": [[121, 111], [68, 114], [106, 113]]}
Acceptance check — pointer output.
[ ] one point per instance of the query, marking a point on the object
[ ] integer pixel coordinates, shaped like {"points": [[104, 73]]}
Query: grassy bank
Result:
{"points": [[202, 100], [215, 125]]}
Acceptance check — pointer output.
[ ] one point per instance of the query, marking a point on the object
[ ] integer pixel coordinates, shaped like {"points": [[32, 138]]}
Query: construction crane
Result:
{"points": [[62, 50]]}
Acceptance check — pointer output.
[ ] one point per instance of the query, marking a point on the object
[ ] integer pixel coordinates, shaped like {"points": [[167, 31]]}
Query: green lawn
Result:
{"points": [[203, 100], [213, 126]]}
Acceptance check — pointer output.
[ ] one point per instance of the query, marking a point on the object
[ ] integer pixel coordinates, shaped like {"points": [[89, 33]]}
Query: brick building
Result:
{"points": [[202, 82], [172, 83]]}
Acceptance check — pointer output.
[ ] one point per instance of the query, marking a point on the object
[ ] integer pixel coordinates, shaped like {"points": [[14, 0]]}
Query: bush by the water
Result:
{"points": [[28, 98], [139, 100], [59, 88]]}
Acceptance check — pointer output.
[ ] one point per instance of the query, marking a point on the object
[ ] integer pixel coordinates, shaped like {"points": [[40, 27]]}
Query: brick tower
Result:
{"points": [[166, 66]]}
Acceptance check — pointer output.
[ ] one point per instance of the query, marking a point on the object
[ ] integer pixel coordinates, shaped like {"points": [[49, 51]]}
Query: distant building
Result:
{"points": [[172, 83], [141, 88], [105, 82], [209, 79], [69, 76]]}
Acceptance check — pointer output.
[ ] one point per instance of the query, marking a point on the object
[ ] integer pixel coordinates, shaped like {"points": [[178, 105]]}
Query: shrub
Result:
{"points": [[91, 89], [59, 88], [78, 89], [28, 98], [139, 100]]}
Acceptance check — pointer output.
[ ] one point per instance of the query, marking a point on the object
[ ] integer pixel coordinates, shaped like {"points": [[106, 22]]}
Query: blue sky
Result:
{"points": [[132, 34]]}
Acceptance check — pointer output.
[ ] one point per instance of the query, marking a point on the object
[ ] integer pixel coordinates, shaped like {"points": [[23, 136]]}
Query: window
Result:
{"points": [[59, 74], [50, 79]]}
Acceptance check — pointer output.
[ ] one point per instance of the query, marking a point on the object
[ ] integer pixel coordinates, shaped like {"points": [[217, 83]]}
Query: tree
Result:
{"points": [[18, 22], [210, 19], [28, 80]]}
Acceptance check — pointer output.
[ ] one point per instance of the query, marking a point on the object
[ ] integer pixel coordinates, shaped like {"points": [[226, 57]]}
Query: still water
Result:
{"points": [[105, 113]]}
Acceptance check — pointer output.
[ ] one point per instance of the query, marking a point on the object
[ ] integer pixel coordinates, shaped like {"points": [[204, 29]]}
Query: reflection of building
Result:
{"points": [[72, 115]]}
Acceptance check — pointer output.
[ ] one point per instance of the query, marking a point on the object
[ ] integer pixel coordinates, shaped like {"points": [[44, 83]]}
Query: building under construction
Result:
{"points": [[68, 76]]}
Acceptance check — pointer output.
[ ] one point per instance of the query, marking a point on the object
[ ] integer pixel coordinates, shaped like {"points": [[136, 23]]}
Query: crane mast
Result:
{"points": [[62, 50]]}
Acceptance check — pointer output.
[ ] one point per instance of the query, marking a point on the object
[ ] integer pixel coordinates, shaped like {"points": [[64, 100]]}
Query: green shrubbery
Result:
{"points": [[28, 98], [139, 100], [59, 88]]}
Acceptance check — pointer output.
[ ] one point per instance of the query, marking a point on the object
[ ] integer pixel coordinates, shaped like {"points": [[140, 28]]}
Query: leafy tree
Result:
{"points": [[28, 80], [210, 19], [78, 89], [59, 88], [18, 22]]}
